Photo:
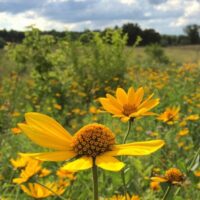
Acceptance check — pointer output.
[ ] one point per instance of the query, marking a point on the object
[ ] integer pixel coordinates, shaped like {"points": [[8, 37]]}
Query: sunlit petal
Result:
{"points": [[79, 164], [109, 163], [51, 156]]}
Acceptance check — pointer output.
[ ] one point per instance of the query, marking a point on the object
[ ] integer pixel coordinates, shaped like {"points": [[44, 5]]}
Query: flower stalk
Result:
{"points": [[122, 171], [167, 192], [95, 181]]}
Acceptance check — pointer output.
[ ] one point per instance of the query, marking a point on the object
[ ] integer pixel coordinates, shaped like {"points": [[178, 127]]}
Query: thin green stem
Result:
{"points": [[167, 193], [122, 171], [189, 168], [50, 190], [95, 181], [194, 159], [128, 131]]}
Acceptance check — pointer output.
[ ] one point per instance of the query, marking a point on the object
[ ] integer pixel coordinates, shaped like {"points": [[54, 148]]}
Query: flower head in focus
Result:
{"points": [[130, 105], [94, 144]]}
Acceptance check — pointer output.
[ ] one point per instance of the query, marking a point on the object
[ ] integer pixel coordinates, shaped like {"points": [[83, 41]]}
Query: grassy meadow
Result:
{"points": [[65, 80]]}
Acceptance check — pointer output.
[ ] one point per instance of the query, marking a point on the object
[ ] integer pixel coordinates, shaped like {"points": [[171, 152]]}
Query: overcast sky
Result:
{"points": [[166, 16]]}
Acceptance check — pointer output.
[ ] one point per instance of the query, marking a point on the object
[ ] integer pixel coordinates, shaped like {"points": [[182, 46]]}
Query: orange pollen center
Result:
{"points": [[174, 175], [128, 109], [93, 140]]}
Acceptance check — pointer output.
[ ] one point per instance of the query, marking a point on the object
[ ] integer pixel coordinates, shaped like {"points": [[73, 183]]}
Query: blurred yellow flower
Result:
{"points": [[183, 132], [57, 106], [155, 186], [44, 172], [16, 131], [192, 117], [38, 191], [15, 114], [65, 174], [128, 106], [170, 115], [32, 168], [172, 175], [122, 197], [93, 144], [197, 173], [20, 162]]}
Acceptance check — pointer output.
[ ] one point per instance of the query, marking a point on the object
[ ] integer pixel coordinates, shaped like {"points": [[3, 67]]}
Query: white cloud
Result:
{"points": [[23, 20]]}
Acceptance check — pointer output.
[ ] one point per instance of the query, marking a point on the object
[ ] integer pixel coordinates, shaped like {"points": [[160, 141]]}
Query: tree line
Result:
{"points": [[133, 30]]}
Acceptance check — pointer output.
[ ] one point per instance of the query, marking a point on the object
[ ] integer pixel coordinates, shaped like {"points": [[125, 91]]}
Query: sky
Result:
{"points": [[165, 16]]}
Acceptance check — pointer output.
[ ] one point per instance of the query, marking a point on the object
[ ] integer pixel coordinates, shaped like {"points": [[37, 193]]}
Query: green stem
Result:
{"points": [[166, 193], [122, 171], [128, 131], [189, 168], [50, 190], [194, 159], [95, 180]]}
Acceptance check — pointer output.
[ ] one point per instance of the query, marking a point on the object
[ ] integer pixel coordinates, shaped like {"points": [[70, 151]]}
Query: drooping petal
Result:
{"points": [[139, 112], [136, 148], [43, 139], [121, 96], [109, 107], [51, 156], [79, 164], [109, 163], [159, 179], [47, 125]]}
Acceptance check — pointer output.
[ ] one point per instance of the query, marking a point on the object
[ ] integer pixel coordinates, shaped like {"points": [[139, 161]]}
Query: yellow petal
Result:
{"points": [[44, 139], [158, 179], [79, 164], [139, 96], [51, 156], [109, 107], [136, 148], [47, 125], [131, 94], [121, 96], [109, 163], [114, 101]]}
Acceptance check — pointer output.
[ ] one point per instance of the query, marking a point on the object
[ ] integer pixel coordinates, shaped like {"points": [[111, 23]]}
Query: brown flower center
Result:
{"points": [[128, 109], [174, 175], [92, 140]]}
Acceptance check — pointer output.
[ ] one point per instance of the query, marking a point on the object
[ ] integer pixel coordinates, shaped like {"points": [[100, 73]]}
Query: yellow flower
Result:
{"points": [[33, 167], [170, 115], [20, 162], [93, 144], [16, 131], [44, 172], [122, 197], [197, 173], [172, 175], [57, 106], [192, 117], [65, 174], [129, 105], [183, 132], [155, 186], [38, 191]]}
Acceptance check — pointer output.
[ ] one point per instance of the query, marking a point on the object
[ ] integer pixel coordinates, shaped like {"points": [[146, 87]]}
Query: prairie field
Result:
{"points": [[130, 118]]}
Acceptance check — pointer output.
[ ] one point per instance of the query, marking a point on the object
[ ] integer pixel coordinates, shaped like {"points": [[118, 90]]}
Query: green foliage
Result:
{"points": [[156, 54]]}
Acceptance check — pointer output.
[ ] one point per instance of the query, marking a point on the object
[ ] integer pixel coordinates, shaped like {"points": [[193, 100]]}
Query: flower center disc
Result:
{"points": [[174, 174], [93, 139], [128, 109]]}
